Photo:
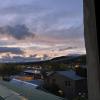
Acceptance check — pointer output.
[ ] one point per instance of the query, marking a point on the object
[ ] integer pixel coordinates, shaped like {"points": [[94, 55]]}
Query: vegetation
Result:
{"points": [[80, 98], [63, 63], [10, 69]]}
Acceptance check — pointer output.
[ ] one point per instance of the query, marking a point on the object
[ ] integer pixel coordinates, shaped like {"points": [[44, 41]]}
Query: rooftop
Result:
{"points": [[32, 71], [37, 82], [28, 91], [7, 94], [70, 74]]}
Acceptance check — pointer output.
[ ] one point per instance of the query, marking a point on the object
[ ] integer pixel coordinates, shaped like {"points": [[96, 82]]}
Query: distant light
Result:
{"points": [[76, 66]]}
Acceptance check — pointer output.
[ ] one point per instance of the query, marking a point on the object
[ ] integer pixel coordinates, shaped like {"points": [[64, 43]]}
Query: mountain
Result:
{"points": [[70, 59]]}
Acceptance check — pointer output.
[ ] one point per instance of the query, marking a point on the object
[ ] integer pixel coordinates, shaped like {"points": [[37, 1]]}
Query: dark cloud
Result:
{"points": [[33, 55], [11, 50], [17, 31], [68, 48], [45, 56]]}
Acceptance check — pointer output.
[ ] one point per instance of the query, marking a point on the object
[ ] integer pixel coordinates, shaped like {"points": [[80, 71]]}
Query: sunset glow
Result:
{"points": [[41, 28]]}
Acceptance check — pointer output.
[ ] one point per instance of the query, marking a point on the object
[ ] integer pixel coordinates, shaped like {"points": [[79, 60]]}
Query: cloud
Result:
{"points": [[17, 31], [73, 32], [47, 11], [11, 50], [68, 48], [54, 22]]}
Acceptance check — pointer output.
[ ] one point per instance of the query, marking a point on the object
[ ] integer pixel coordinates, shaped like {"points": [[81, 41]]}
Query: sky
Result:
{"points": [[41, 28]]}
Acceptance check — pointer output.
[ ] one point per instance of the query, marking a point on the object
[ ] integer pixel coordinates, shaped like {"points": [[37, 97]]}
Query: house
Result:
{"points": [[28, 75], [35, 73], [68, 81]]}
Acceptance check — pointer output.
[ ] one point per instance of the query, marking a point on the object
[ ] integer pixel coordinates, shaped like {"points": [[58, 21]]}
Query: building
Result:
{"points": [[29, 75], [8, 94], [19, 90], [35, 73], [69, 82]]}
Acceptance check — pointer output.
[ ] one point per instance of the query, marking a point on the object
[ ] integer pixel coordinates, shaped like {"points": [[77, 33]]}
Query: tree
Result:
{"points": [[10, 69]]}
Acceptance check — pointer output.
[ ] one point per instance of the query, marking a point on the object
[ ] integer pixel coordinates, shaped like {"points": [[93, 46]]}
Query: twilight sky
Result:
{"points": [[41, 28]]}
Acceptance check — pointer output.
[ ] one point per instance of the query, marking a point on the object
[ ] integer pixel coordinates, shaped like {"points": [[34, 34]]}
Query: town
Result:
{"points": [[64, 80]]}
